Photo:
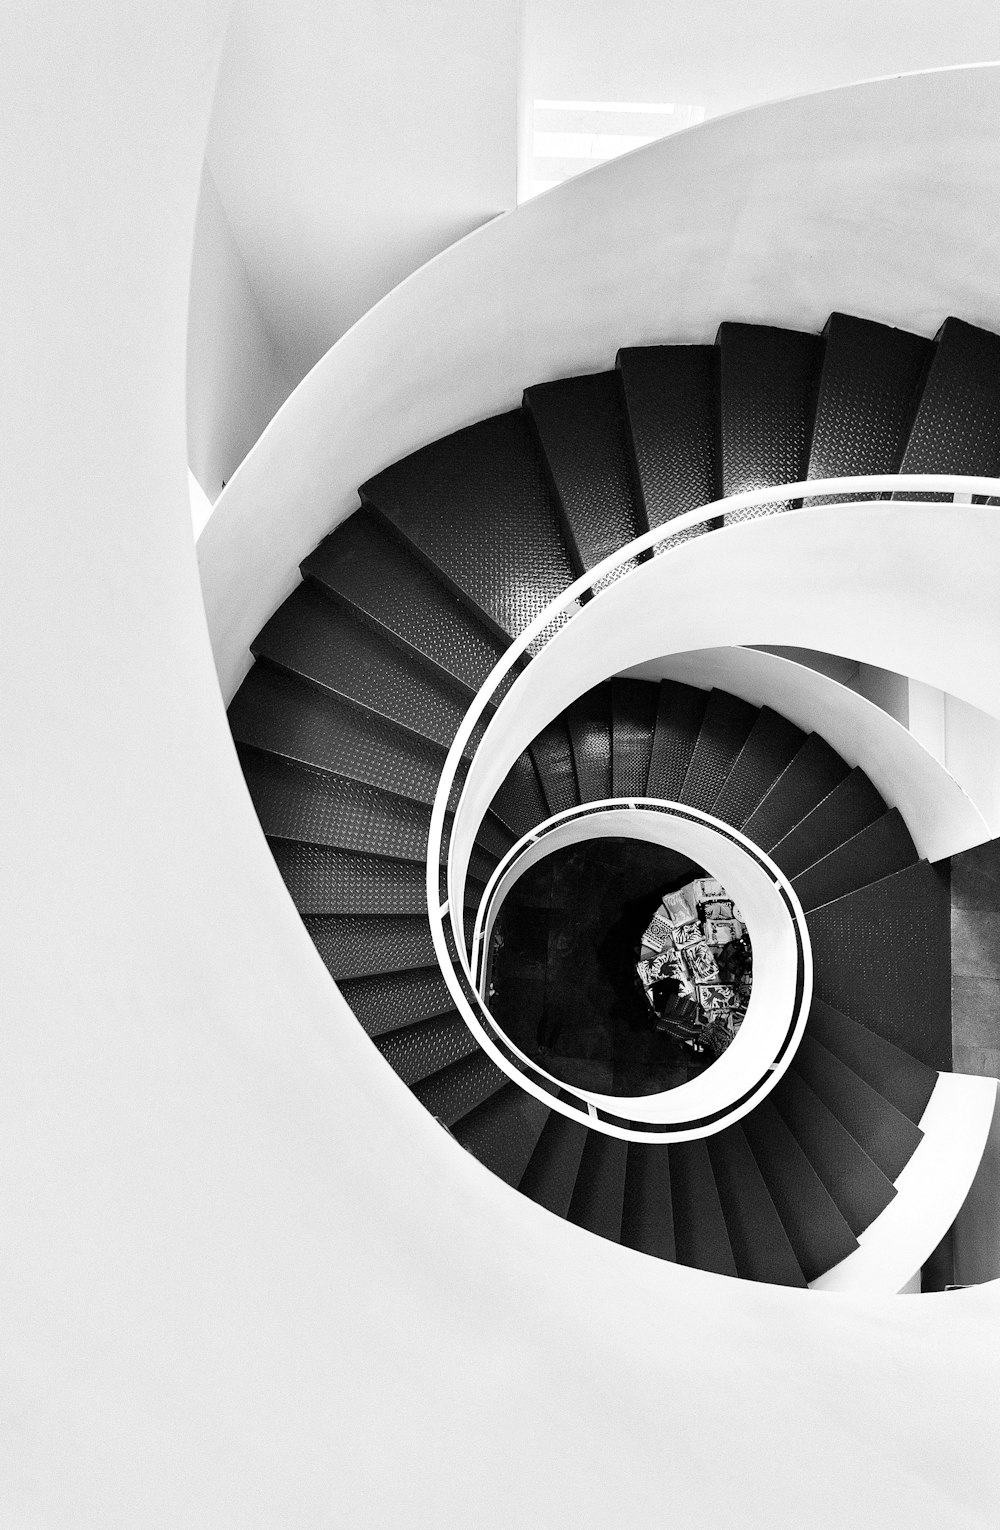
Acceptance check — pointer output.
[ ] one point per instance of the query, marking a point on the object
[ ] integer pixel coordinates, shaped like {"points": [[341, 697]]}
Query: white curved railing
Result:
{"points": [[782, 988], [460, 978]]}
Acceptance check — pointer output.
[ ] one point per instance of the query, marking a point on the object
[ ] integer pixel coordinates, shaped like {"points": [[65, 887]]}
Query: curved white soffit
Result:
{"points": [[940, 816], [929, 1191], [867, 199]]}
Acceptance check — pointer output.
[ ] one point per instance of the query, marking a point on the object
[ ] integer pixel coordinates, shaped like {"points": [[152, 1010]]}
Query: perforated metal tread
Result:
{"points": [[854, 1181], [758, 1240], [519, 803], [899, 1078], [724, 730], [670, 404], [634, 705], [580, 427], [898, 980], [767, 382], [647, 1215], [295, 802], [322, 880], [817, 1231], [883, 847], [957, 424], [476, 507], [287, 716], [363, 945], [589, 723], [679, 716], [426, 1047], [869, 386], [393, 1000], [700, 1234], [503, 1132], [459, 1088], [311, 635], [551, 1173], [493, 837], [808, 779], [367, 568], [553, 757], [600, 1186], [771, 745], [844, 812], [887, 1136]]}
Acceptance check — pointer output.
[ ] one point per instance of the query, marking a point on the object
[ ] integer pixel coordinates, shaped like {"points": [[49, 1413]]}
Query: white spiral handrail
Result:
{"points": [[460, 980]]}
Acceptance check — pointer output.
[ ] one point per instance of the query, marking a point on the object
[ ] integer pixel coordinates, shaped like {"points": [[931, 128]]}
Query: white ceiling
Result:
{"points": [[353, 139]]}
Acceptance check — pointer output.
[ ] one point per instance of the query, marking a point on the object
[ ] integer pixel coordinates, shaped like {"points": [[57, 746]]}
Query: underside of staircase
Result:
{"points": [[362, 677]]}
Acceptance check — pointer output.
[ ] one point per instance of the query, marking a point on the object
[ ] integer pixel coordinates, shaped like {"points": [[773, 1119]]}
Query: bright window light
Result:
{"points": [[570, 136]]}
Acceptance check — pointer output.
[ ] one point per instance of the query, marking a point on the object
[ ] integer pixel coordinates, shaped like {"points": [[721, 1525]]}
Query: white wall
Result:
{"points": [[352, 142], [722, 54], [237, 377]]}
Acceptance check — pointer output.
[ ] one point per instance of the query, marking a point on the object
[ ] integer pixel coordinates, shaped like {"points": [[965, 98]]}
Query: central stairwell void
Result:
{"points": [[358, 744]]}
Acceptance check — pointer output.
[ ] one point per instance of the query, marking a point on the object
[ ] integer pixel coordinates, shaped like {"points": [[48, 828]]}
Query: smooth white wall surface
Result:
{"points": [[721, 54], [237, 376], [351, 142], [942, 816], [247, 1280], [869, 199]]}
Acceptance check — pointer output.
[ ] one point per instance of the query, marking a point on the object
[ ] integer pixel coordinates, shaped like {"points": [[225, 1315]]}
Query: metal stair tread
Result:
{"points": [[804, 783], [771, 745], [874, 852], [363, 565], [850, 807], [580, 428], [767, 380], [598, 1194], [724, 730], [679, 716], [670, 402], [858, 1186], [503, 1131], [760, 1245], [887, 1136], [633, 722], [895, 1074]]}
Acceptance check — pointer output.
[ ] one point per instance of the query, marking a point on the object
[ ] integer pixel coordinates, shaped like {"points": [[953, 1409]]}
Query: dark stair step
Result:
{"points": [[633, 722], [806, 781], [724, 731], [887, 1136], [844, 812], [494, 837], [589, 723], [323, 880], [312, 636], [553, 755], [647, 1215], [579, 423], [363, 945], [680, 714], [519, 803], [869, 387], [296, 802], [899, 1078], [427, 1047], [600, 1186], [957, 424], [883, 847], [394, 1000], [896, 979], [767, 386], [365, 567], [476, 507], [670, 403], [456, 1090], [503, 1131], [759, 1242], [551, 1174], [857, 1184], [700, 1233], [288, 716], [772, 744], [815, 1228]]}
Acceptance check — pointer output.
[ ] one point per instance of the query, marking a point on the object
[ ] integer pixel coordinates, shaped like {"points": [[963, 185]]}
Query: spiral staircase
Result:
{"points": [[363, 676]]}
